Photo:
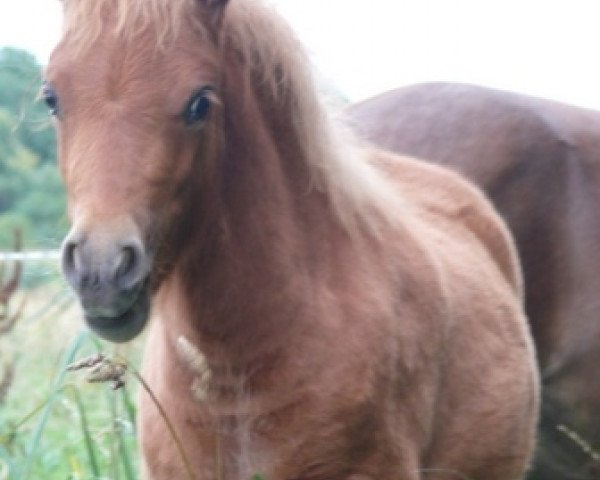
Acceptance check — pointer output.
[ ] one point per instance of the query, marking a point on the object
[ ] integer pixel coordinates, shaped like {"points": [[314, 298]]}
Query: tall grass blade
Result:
{"points": [[34, 442], [114, 440], [129, 409], [87, 436], [125, 457]]}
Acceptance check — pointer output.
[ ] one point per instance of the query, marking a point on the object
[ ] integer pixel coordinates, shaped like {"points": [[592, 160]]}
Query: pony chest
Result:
{"points": [[274, 434]]}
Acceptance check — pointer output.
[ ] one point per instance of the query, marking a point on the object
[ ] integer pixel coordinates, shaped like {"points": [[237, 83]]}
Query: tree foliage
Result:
{"points": [[31, 194]]}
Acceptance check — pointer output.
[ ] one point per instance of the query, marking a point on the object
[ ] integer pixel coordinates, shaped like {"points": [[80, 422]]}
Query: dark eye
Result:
{"points": [[50, 98], [198, 106]]}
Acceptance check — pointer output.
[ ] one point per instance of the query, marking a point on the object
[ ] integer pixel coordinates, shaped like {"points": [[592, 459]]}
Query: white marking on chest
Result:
{"points": [[240, 425]]}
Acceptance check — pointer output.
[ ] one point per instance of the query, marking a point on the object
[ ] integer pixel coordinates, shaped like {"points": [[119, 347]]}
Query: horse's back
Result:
{"points": [[470, 128], [539, 162], [486, 354]]}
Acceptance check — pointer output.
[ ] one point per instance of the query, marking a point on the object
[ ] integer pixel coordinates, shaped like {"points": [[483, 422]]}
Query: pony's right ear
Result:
{"points": [[215, 9]]}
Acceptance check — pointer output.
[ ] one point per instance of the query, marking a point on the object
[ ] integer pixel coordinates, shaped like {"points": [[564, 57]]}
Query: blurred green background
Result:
{"points": [[31, 194]]}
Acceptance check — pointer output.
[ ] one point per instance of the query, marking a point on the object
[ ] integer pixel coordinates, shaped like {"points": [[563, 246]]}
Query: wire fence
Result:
{"points": [[34, 255]]}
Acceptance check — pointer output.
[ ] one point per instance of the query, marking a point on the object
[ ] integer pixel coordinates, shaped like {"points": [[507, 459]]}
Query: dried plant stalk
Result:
{"points": [[580, 442], [8, 320], [104, 370]]}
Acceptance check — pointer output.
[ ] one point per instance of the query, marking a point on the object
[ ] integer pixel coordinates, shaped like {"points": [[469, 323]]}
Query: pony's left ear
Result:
{"points": [[215, 10]]}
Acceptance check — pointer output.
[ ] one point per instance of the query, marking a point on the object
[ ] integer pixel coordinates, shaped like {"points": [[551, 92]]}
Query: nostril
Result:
{"points": [[72, 265], [129, 269], [126, 261], [68, 257], [71, 258]]}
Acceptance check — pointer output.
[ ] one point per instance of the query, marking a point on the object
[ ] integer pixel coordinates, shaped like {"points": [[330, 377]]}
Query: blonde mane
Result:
{"points": [[358, 192], [84, 20]]}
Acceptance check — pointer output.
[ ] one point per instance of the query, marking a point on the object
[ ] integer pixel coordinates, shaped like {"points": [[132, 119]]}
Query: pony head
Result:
{"points": [[134, 88]]}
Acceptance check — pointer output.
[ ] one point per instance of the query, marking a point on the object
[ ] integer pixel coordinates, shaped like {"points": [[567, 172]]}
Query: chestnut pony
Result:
{"points": [[539, 161], [321, 311]]}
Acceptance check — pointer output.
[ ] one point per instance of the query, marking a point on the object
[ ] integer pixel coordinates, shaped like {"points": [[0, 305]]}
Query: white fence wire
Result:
{"points": [[30, 256]]}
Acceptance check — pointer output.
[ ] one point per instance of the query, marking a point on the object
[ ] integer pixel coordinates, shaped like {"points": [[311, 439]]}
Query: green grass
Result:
{"points": [[53, 424]]}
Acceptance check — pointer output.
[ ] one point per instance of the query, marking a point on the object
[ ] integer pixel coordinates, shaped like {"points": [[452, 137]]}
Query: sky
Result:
{"points": [[547, 48]]}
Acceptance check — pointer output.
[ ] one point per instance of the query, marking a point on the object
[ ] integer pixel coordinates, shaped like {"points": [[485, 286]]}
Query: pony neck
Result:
{"points": [[249, 283]]}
